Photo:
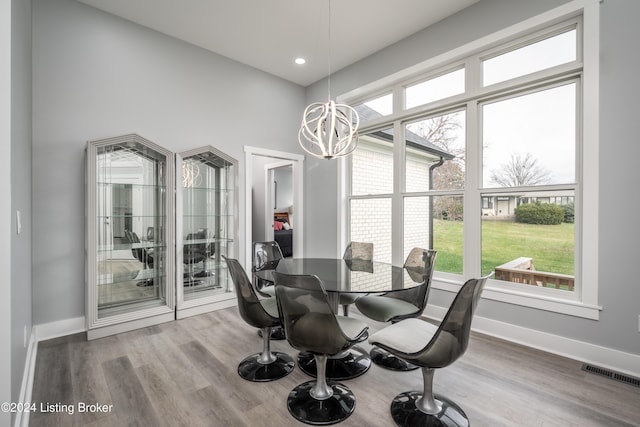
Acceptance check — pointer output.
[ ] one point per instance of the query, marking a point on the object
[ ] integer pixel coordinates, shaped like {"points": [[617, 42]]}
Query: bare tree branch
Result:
{"points": [[520, 170]]}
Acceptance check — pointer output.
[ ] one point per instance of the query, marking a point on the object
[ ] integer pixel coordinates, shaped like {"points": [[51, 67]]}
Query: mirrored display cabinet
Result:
{"points": [[157, 225], [206, 206], [130, 250]]}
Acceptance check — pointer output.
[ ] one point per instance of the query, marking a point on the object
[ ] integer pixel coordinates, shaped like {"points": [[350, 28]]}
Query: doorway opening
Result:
{"points": [[273, 189]]}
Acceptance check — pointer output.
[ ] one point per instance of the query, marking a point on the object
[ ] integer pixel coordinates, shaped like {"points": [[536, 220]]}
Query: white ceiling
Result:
{"points": [[270, 34]]}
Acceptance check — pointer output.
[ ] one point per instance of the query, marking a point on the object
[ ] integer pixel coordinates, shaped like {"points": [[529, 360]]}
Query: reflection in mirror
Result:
{"points": [[207, 223], [131, 199]]}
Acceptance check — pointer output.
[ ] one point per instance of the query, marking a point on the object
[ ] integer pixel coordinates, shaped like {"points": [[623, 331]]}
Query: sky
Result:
{"points": [[540, 123]]}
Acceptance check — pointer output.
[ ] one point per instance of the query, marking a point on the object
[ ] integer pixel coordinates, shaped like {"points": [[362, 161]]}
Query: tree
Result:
{"points": [[520, 170], [442, 131]]}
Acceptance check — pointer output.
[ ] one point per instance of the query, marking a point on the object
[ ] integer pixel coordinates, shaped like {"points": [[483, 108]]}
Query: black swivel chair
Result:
{"points": [[402, 304], [266, 256], [432, 347], [358, 256], [311, 325], [259, 313], [145, 256]]}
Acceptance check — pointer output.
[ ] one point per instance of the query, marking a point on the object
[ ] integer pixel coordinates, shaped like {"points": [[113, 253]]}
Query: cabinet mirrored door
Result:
{"points": [[206, 227], [130, 249]]}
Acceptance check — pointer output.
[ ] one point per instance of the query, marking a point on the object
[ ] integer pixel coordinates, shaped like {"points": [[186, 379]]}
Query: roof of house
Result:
{"points": [[412, 139]]}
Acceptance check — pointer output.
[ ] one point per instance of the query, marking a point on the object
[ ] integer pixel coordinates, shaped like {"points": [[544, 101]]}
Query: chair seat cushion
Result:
{"points": [[270, 306], [348, 298], [267, 291], [351, 327], [384, 309], [408, 336]]}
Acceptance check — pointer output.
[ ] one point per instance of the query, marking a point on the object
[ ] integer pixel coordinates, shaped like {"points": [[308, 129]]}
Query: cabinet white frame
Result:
{"points": [[209, 301], [96, 325]]}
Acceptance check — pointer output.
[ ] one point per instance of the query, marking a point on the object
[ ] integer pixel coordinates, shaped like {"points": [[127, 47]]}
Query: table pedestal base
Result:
{"points": [[342, 366]]}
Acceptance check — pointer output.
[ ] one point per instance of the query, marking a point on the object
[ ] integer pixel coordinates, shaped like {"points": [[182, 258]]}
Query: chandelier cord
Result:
{"points": [[329, 130], [329, 55]]}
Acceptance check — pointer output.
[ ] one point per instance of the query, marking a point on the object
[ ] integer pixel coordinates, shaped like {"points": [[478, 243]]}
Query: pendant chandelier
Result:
{"points": [[328, 129]]}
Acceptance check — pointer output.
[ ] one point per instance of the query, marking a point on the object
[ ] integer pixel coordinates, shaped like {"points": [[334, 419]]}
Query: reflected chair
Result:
{"points": [[145, 256], [194, 253], [358, 256], [401, 304], [150, 234], [259, 313], [431, 347], [311, 326]]}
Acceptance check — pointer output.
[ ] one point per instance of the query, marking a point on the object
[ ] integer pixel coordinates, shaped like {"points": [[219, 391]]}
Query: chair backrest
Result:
{"points": [[452, 337], [139, 253], [307, 317], [248, 303], [420, 265], [266, 255], [358, 251], [196, 252]]}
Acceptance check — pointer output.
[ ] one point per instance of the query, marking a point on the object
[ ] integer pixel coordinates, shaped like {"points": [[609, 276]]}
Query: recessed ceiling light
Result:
{"points": [[300, 61]]}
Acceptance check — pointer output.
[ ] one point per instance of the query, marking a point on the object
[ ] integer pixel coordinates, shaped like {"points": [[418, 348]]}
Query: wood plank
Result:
{"points": [[130, 401], [52, 385]]}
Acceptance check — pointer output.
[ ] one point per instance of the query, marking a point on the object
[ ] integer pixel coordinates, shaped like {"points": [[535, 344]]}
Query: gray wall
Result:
{"points": [[619, 293], [20, 187], [96, 76]]}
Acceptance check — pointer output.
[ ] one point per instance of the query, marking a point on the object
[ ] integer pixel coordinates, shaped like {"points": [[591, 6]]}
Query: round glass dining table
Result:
{"points": [[341, 276]]}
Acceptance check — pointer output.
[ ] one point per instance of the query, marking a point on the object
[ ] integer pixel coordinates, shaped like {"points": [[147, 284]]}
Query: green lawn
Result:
{"points": [[550, 246]]}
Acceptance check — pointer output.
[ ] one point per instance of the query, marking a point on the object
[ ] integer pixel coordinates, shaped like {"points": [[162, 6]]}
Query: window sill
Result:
{"points": [[495, 292]]}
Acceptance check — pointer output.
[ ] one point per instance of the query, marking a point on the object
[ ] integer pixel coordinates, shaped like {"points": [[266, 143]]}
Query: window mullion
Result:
{"points": [[397, 205], [472, 201]]}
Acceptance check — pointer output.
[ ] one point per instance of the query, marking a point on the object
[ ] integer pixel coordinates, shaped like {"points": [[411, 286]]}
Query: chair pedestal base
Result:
{"points": [[277, 333], [351, 364], [252, 370], [336, 408], [144, 283], [406, 414], [387, 360]]}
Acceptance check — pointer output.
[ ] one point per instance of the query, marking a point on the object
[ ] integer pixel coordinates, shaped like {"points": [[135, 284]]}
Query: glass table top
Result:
{"points": [[339, 275]]}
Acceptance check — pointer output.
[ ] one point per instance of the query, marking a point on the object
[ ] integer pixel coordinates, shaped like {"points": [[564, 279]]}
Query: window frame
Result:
{"points": [[584, 14]]}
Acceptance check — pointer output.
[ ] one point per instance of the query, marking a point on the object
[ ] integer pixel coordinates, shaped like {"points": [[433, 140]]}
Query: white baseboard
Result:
{"points": [[626, 363], [22, 417], [61, 328]]}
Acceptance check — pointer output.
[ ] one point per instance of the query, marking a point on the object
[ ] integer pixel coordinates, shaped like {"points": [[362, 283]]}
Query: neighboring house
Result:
{"points": [[504, 205]]}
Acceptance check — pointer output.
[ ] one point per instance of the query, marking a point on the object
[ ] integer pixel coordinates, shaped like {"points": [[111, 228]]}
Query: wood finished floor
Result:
{"points": [[183, 373]]}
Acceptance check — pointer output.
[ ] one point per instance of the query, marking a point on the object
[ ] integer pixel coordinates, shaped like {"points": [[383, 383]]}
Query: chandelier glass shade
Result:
{"points": [[329, 130]]}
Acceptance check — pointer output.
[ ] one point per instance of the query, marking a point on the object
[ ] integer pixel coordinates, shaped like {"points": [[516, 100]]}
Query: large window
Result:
{"points": [[483, 162]]}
